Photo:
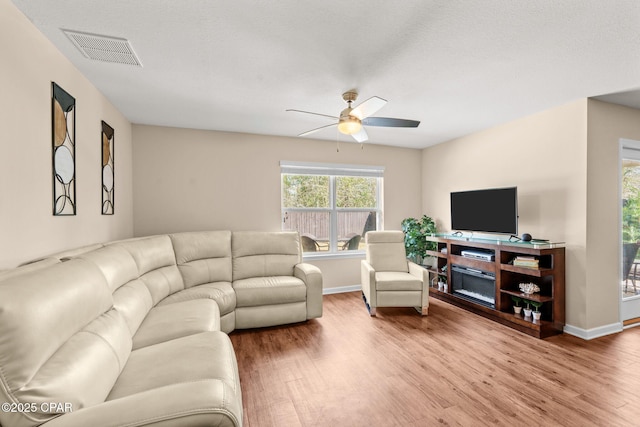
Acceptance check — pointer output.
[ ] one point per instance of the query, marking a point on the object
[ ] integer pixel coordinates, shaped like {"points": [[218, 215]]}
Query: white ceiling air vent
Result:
{"points": [[104, 48]]}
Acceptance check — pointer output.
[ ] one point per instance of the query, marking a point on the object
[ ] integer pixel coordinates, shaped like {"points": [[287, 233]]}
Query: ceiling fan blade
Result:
{"points": [[361, 135], [389, 122], [309, 132], [368, 107], [316, 114]]}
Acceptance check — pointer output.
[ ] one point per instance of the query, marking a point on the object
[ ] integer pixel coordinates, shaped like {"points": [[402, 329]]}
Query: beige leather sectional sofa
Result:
{"points": [[133, 332]]}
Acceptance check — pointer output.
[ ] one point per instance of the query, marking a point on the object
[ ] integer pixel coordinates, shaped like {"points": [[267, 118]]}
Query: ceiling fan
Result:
{"points": [[351, 119]]}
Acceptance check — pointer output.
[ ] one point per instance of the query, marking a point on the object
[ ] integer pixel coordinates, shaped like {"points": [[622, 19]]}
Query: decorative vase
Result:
{"points": [[440, 286], [527, 312], [517, 309], [536, 315], [445, 287]]}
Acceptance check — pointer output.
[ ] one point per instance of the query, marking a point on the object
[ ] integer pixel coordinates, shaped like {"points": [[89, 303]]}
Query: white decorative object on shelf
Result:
{"points": [[529, 288]]}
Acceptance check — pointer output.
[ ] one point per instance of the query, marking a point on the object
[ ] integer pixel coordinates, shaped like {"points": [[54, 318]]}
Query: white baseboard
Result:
{"points": [[341, 289], [589, 334], [585, 334]]}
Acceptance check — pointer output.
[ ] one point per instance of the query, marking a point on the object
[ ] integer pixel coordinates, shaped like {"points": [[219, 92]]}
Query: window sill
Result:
{"points": [[333, 255]]}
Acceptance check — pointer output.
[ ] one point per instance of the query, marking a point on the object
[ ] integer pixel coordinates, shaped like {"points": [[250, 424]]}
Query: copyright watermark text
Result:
{"points": [[46, 407]]}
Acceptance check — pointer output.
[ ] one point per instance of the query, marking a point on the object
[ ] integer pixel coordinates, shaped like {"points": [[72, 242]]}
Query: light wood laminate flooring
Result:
{"points": [[450, 368]]}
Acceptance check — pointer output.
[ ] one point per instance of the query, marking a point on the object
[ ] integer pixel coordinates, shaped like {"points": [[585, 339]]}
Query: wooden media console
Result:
{"points": [[547, 272]]}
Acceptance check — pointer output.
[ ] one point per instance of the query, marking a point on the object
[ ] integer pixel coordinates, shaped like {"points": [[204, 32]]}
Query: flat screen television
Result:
{"points": [[492, 210]]}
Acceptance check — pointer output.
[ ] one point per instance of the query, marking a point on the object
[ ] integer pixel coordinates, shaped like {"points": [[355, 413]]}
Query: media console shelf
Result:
{"points": [[470, 282]]}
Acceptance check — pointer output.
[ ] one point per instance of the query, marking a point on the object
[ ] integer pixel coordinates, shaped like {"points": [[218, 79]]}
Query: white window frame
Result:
{"points": [[334, 170]]}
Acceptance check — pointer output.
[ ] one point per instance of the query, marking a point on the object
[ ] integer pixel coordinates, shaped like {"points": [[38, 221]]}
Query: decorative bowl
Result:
{"points": [[529, 288]]}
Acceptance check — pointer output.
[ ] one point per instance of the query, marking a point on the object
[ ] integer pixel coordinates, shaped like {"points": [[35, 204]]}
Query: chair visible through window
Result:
{"points": [[309, 244], [353, 243], [629, 252]]}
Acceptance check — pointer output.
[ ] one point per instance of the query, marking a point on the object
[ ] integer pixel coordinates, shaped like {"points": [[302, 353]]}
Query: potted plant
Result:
{"points": [[442, 279], [527, 310], [516, 304], [442, 283], [415, 233], [536, 313]]}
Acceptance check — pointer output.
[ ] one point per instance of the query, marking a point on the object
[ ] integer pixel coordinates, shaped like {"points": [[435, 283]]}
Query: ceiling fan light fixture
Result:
{"points": [[349, 125], [351, 120]]}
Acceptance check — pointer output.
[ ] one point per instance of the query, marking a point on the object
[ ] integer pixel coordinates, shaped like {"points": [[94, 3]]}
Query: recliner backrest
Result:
{"points": [[156, 263], [131, 296], [263, 254], [203, 257], [386, 252], [60, 339]]}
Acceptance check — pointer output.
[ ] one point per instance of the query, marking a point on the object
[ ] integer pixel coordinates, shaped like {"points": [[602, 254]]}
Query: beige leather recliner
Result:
{"points": [[388, 278]]}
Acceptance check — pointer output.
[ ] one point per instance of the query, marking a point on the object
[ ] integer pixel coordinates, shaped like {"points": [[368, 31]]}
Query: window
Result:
{"points": [[331, 206]]}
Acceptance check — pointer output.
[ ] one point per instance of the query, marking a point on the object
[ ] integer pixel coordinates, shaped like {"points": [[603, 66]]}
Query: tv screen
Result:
{"points": [[491, 211]]}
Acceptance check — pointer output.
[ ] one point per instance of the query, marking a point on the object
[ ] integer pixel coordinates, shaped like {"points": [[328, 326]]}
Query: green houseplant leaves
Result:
{"points": [[415, 233]]}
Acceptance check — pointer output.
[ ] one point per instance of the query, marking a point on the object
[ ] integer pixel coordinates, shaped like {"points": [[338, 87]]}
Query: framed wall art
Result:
{"points": [[63, 124], [108, 177]]}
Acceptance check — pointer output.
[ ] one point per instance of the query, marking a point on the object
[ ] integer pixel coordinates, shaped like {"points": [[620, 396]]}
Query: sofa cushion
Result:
{"points": [[269, 290], [116, 263], [397, 281], [156, 264], [131, 296], [150, 253], [207, 355], [57, 329], [203, 257], [133, 301], [260, 254], [185, 367], [177, 320], [196, 403], [221, 292]]}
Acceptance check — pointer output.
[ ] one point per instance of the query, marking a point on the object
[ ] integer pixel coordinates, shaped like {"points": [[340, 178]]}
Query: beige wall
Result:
{"points": [[608, 123], [545, 156], [564, 162], [199, 180], [28, 66]]}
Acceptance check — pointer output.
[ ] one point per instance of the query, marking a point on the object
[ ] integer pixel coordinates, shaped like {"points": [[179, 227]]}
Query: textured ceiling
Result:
{"points": [[458, 66]]}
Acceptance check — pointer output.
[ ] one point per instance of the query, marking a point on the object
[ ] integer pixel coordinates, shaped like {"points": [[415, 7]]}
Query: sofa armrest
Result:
{"points": [[206, 402], [423, 274], [312, 277], [368, 278]]}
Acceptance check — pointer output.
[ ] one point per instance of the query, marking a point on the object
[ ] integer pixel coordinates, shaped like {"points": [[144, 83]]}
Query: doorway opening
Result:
{"points": [[630, 232]]}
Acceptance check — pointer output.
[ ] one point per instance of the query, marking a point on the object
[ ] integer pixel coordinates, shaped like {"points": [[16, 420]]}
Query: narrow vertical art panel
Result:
{"points": [[108, 176], [63, 119]]}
